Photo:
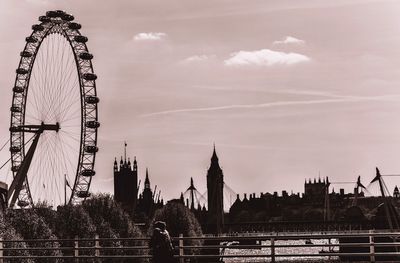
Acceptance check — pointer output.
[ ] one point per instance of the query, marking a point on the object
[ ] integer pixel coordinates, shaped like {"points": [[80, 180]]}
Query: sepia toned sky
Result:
{"points": [[286, 89]]}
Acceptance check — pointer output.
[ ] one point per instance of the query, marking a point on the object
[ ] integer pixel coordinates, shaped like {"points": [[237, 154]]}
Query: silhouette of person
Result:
{"points": [[161, 245]]}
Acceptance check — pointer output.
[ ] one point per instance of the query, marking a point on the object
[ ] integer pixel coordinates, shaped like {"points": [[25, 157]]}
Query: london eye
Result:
{"points": [[54, 119]]}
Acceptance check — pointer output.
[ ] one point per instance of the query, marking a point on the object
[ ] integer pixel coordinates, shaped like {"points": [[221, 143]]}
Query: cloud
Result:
{"points": [[264, 57], [342, 99], [198, 58], [149, 36], [289, 40]]}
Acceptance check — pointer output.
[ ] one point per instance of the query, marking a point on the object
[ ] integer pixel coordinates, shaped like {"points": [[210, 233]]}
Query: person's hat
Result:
{"points": [[160, 224]]}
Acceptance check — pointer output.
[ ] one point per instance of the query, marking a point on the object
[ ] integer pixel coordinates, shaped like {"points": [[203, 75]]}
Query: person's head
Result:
{"points": [[160, 224]]}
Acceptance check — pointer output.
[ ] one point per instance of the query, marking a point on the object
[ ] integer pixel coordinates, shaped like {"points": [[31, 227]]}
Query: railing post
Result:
{"points": [[329, 248], [96, 246], [371, 246], [273, 250], [76, 250], [1, 250], [181, 259]]}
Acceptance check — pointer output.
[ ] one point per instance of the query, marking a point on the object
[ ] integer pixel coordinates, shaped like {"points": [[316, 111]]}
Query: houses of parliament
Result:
{"points": [[316, 204], [143, 205]]}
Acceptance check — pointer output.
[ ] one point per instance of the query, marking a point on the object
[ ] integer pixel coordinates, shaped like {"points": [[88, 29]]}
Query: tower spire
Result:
{"points": [[134, 164], [214, 155], [125, 144], [147, 180], [115, 164]]}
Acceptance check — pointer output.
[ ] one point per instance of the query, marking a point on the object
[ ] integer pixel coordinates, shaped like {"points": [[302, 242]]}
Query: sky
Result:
{"points": [[287, 90]]}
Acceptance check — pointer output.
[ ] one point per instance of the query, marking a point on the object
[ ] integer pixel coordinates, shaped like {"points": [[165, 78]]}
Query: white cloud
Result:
{"points": [[198, 58], [149, 36], [289, 40], [264, 57]]}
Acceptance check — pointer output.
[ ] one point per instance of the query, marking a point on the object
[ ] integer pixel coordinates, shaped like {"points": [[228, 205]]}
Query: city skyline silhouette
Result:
{"points": [[287, 91]]}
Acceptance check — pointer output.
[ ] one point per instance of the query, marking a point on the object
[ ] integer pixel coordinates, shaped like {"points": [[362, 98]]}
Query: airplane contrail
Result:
{"points": [[273, 104]]}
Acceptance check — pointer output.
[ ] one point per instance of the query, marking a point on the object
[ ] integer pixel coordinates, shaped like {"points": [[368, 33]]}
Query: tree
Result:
{"points": [[103, 205], [32, 226], [74, 221], [9, 233], [49, 215], [105, 212]]}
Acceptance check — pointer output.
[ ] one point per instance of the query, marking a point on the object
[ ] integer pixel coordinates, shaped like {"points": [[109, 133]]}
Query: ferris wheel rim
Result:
{"points": [[58, 22]]}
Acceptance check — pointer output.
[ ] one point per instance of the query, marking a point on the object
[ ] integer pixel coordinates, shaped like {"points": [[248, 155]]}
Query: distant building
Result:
{"points": [[215, 197], [148, 201], [146, 198], [396, 192], [314, 192], [125, 183]]}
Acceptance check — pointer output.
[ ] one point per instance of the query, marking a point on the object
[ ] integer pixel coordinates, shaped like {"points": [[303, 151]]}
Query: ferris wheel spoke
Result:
{"points": [[69, 94], [58, 173], [59, 67], [73, 138], [67, 108], [35, 100], [71, 133], [72, 123], [52, 171], [36, 175], [66, 157], [62, 108]]}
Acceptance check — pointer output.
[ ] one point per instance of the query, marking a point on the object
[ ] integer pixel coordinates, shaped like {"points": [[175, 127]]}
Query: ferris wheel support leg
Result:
{"points": [[20, 177]]}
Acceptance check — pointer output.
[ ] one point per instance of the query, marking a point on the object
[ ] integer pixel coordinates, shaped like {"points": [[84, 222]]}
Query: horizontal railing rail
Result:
{"points": [[373, 245]]}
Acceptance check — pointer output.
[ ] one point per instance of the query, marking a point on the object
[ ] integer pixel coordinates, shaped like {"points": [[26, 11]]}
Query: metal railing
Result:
{"points": [[366, 246]]}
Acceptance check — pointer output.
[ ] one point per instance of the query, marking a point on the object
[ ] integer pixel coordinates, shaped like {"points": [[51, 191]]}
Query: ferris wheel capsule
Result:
{"points": [[83, 194], [31, 39], [15, 149], [86, 56], [26, 54], [37, 28], [18, 89], [91, 149], [52, 14], [22, 203], [81, 39], [15, 168], [88, 172], [67, 17], [93, 124], [74, 26], [21, 71], [44, 19], [90, 76], [15, 109], [92, 99]]}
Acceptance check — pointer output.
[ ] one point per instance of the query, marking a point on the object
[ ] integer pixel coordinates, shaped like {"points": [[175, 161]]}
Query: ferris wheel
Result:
{"points": [[54, 122]]}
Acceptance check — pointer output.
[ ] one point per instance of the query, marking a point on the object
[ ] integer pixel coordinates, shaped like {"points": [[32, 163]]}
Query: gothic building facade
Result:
{"points": [[148, 200], [126, 190], [315, 191], [215, 197], [125, 183]]}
